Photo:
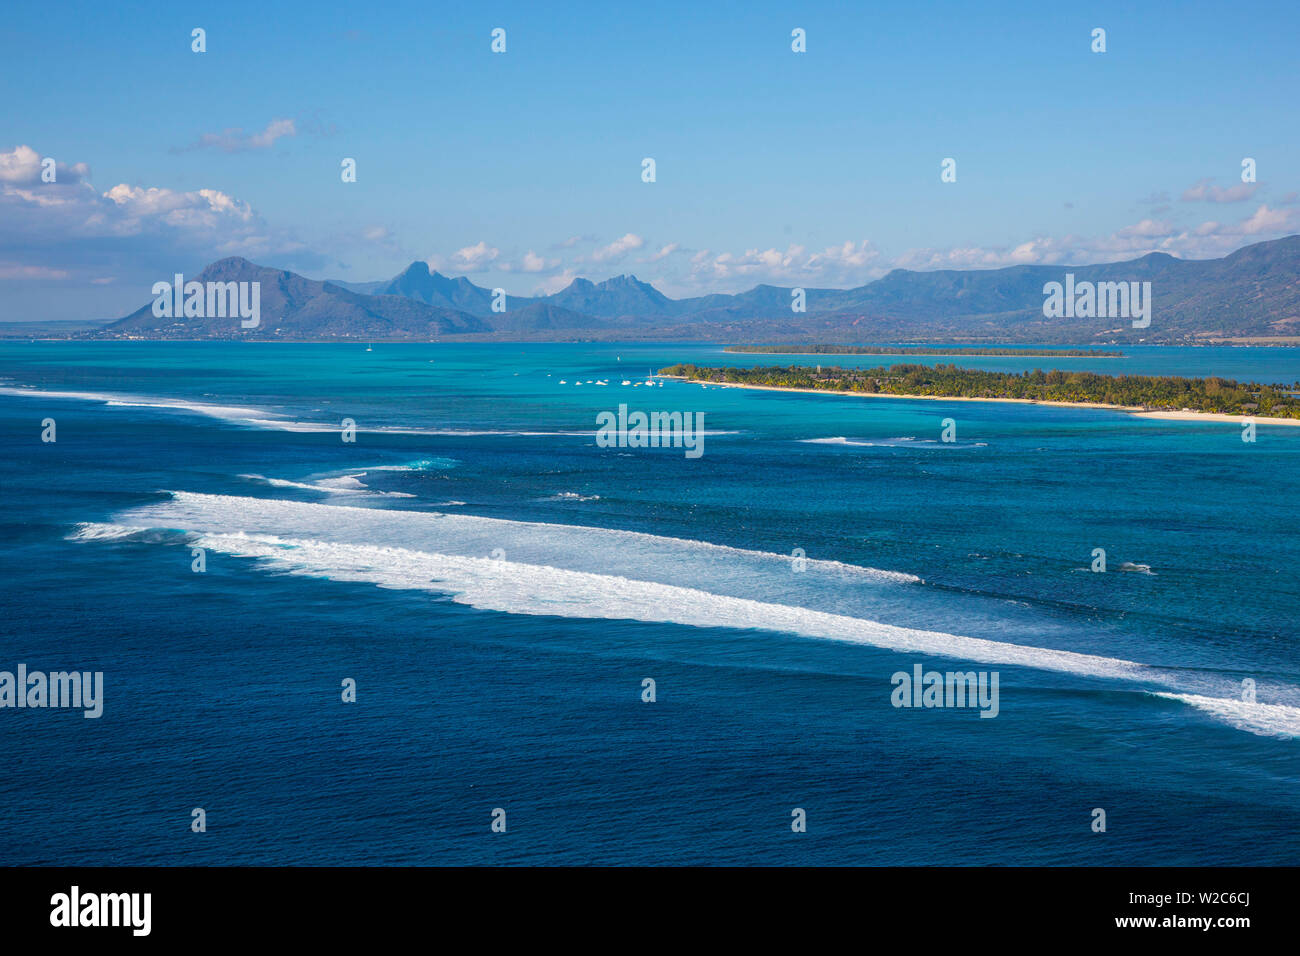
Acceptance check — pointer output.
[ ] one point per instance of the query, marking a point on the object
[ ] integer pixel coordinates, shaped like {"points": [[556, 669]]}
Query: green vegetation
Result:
{"points": [[1163, 392], [920, 350]]}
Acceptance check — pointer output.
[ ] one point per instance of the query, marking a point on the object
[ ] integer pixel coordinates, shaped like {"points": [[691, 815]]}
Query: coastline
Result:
{"points": [[1137, 411], [1028, 353]]}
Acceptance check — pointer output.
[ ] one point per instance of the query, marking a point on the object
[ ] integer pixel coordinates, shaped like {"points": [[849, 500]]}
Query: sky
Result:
{"points": [[524, 169]]}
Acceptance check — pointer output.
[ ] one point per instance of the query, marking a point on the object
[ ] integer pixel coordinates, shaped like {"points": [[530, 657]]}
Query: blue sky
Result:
{"points": [[523, 169]]}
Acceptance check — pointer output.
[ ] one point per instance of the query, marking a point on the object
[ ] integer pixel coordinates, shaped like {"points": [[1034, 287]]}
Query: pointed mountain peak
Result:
{"points": [[623, 282], [417, 269], [231, 262], [223, 269]]}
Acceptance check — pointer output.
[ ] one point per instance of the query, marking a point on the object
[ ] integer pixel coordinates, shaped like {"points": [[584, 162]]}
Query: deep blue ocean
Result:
{"points": [[499, 587]]}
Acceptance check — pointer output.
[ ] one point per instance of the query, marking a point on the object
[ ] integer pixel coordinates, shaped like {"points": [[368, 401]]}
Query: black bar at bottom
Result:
{"points": [[241, 904]]}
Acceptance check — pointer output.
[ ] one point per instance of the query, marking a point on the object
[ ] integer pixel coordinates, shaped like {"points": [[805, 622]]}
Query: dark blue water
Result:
{"points": [[515, 681]]}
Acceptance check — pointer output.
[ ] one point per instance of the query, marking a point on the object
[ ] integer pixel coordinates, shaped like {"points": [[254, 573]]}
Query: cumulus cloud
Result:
{"points": [[555, 283], [679, 270], [532, 262], [476, 258], [618, 248], [69, 230], [1146, 229], [138, 208], [848, 263], [72, 210], [1264, 220], [1208, 240], [23, 167], [1204, 190]]}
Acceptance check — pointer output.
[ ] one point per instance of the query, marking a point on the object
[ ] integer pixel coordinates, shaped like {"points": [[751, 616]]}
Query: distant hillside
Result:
{"points": [[1254, 292], [621, 296], [434, 288], [295, 308]]}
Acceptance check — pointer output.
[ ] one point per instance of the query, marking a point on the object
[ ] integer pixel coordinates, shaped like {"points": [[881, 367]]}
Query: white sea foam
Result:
{"points": [[343, 483], [252, 417], [365, 428], [907, 441], [518, 588], [615, 578], [103, 531], [336, 486], [1269, 720], [632, 553], [227, 412], [284, 425], [596, 573]]}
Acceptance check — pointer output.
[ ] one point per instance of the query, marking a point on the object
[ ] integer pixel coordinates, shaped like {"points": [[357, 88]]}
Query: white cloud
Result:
{"points": [[535, 263], [618, 248], [1209, 240], [555, 283], [1265, 220], [476, 258], [1146, 229], [573, 241], [1203, 190], [22, 167], [848, 263], [845, 256], [235, 140], [130, 231], [203, 209]]}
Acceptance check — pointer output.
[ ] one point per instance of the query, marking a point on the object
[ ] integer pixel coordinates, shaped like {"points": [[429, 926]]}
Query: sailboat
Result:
{"points": [[370, 347]]}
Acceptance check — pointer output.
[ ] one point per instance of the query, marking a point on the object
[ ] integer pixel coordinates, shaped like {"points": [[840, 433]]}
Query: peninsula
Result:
{"points": [[954, 350], [1163, 396]]}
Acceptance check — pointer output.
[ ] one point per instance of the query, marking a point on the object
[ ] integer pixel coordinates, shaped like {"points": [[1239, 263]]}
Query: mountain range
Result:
{"points": [[1252, 293]]}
